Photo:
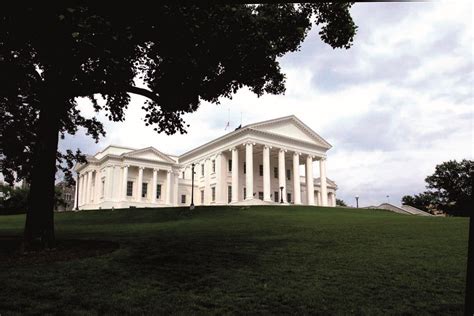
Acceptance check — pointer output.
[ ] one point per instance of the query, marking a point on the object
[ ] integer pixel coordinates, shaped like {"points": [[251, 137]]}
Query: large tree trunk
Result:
{"points": [[40, 215]]}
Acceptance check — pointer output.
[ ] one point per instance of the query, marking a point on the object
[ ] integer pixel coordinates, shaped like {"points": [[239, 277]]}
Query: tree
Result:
{"points": [[449, 189], [173, 55], [424, 201], [13, 200], [340, 202]]}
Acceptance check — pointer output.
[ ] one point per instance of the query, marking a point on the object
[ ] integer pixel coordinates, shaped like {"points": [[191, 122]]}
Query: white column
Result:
{"points": [[79, 180], [82, 191], [322, 175], [175, 188], [249, 170], [168, 187], [333, 199], [124, 182], [97, 186], [219, 179], [296, 178], [266, 173], [108, 183], [281, 174], [75, 193], [153, 183], [235, 175], [309, 180], [140, 183], [318, 195], [89, 187]]}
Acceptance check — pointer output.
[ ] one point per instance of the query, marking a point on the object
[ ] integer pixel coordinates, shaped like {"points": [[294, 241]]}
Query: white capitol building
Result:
{"points": [[256, 164]]}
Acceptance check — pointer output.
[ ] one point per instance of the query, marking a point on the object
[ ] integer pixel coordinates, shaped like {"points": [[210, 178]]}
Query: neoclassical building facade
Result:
{"points": [[269, 162]]}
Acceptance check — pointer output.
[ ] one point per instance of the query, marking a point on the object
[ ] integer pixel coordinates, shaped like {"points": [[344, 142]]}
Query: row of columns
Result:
{"points": [[281, 175], [89, 193]]}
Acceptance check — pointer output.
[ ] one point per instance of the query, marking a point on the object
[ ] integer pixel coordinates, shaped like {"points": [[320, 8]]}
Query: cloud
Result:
{"points": [[393, 106]]}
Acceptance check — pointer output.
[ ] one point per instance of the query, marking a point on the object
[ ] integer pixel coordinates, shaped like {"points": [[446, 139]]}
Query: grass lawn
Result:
{"points": [[221, 260]]}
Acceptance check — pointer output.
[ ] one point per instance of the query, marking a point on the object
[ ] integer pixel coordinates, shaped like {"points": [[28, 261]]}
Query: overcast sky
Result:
{"points": [[393, 106]]}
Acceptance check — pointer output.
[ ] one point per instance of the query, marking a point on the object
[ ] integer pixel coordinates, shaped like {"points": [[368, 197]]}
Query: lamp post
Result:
{"points": [[77, 192], [191, 207], [281, 194], [388, 199], [357, 201]]}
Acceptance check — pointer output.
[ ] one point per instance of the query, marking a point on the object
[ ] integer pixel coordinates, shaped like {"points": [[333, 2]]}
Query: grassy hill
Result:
{"points": [[245, 260]]}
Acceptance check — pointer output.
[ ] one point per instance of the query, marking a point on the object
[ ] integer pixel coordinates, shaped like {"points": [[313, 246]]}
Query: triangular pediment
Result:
{"points": [[291, 127], [149, 153]]}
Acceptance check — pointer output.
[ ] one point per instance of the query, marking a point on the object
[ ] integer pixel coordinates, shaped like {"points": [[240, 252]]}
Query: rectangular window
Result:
{"points": [[213, 166], [260, 195], [229, 165], [158, 191], [202, 196], [261, 170], [144, 189], [129, 188], [245, 193], [275, 172], [183, 174], [288, 197], [245, 168], [288, 174], [213, 191], [229, 194], [202, 170], [183, 199], [103, 188], [277, 196]]}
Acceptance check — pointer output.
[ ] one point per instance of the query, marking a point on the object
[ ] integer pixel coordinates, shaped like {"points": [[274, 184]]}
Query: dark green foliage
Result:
{"points": [[249, 260], [449, 189], [423, 201], [340, 202], [14, 200]]}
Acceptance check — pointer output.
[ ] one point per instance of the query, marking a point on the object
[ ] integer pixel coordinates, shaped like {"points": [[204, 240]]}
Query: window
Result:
{"points": [[202, 196], [245, 168], [288, 197], [260, 195], [183, 199], [229, 194], [245, 193], [103, 187], [158, 191], [213, 166], [67, 197], [261, 170], [275, 172], [229, 165], [213, 191], [277, 196], [288, 174], [129, 188], [183, 175], [144, 189], [202, 170]]}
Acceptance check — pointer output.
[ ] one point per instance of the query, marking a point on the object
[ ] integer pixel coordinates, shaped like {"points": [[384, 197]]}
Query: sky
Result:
{"points": [[393, 106]]}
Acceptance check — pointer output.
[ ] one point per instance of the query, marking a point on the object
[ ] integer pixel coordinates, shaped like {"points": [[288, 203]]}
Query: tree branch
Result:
{"points": [[143, 92], [108, 90]]}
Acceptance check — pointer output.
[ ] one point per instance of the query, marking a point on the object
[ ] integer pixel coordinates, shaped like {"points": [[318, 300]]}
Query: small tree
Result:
{"points": [[340, 202]]}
